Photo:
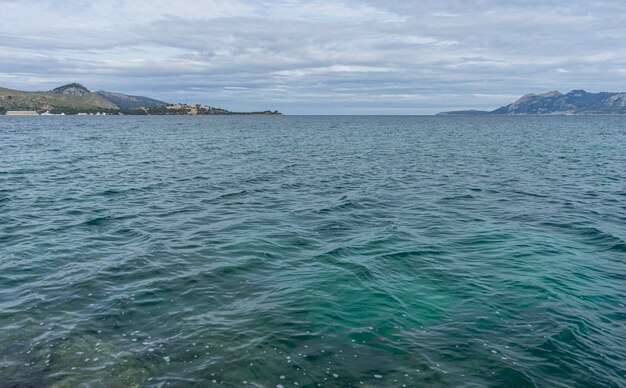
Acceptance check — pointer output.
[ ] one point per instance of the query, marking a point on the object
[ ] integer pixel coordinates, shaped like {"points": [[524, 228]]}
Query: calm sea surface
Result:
{"points": [[312, 251]]}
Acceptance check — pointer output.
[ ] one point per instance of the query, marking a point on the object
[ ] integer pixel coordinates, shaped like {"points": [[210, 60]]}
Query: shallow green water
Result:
{"points": [[331, 251]]}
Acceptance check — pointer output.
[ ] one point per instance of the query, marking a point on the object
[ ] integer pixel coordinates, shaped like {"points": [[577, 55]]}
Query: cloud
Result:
{"points": [[316, 56], [332, 69]]}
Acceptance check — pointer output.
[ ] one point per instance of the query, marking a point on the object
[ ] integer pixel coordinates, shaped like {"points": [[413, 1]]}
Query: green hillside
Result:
{"points": [[57, 99], [74, 99]]}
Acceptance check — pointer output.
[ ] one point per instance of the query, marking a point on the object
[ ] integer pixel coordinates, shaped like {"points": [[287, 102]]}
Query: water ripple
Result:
{"points": [[323, 251]]}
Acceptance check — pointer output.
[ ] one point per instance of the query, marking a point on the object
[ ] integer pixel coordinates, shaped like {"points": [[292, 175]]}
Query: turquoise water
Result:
{"points": [[312, 251]]}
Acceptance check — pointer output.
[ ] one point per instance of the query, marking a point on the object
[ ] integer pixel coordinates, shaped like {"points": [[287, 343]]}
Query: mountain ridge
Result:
{"points": [[73, 89], [70, 97], [127, 101], [575, 102], [74, 98]]}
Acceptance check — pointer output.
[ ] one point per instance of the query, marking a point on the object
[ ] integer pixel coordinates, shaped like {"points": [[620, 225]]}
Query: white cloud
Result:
{"points": [[332, 69]]}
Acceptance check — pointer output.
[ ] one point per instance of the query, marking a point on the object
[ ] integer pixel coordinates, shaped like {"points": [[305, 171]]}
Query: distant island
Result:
{"points": [[576, 102], [75, 99]]}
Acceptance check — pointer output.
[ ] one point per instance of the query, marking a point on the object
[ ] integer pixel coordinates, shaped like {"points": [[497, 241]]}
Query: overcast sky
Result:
{"points": [[317, 57]]}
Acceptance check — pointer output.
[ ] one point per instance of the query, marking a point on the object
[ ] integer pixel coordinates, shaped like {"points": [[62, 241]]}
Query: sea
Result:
{"points": [[313, 251]]}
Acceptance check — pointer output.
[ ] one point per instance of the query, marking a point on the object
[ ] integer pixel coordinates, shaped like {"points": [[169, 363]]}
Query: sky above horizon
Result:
{"points": [[317, 57]]}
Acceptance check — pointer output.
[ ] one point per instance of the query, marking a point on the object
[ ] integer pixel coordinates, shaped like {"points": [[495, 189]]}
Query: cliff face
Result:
{"points": [[576, 102]]}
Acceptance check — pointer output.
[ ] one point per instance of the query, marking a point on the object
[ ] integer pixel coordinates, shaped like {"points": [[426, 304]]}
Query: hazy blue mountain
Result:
{"points": [[576, 102], [125, 101], [470, 112]]}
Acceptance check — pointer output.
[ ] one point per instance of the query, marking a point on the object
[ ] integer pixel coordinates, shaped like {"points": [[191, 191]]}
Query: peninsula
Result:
{"points": [[576, 102], [75, 99]]}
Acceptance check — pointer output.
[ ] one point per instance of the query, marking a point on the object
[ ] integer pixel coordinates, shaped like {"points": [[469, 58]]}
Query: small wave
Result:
{"points": [[345, 205], [98, 221], [592, 236], [529, 194], [462, 197], [110, 192], [427, 252], [235, 194], [333, 258]]}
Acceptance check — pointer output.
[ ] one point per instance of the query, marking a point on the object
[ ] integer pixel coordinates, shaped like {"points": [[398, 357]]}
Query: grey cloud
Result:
{"points": [[391, 57]]}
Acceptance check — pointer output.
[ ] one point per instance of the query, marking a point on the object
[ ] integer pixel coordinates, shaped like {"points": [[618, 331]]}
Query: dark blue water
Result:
{"points": [[312, 251]]}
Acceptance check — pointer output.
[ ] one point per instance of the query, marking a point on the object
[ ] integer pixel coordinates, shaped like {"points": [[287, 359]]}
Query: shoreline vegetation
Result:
{"points": [[170, 110], [75, 99]]}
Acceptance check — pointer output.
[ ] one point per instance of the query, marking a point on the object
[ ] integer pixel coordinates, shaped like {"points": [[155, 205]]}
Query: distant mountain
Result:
{"points": [[470, 112], [73, 89], [576, 102], [72, 97], [125, 101]]}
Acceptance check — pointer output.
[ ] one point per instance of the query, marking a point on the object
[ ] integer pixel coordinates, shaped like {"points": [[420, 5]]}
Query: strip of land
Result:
{"points": [[75, 99]]}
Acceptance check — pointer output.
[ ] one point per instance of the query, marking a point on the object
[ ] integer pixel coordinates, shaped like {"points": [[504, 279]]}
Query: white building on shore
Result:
{"points": [[21, 113]]}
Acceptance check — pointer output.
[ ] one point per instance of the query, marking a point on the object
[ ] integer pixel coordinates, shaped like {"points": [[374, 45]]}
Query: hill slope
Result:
{"points": [[72, 96], [73, 89], [576, 102], [125, 101]]}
